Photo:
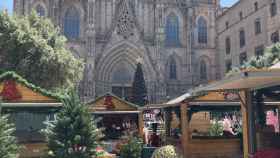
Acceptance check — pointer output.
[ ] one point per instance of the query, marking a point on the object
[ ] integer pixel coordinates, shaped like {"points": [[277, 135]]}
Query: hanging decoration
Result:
{"points": [[10, 91], [230, 96], [109, 102]]}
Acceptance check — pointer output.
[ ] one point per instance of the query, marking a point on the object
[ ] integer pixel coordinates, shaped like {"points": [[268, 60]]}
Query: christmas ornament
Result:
{"points": [[10, 91]]}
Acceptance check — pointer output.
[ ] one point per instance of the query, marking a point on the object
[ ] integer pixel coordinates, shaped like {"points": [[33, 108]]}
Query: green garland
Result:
{"points": [[10, 75], [271, 56]]}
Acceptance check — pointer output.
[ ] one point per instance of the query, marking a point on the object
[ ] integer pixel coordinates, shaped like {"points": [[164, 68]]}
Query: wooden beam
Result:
{"points": [[248, 123], [244, 111], [251, 123], [141, 124], [185, 128]]}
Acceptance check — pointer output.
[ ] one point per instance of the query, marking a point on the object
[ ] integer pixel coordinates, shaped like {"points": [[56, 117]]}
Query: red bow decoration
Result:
{"points": [[109, 103], [10, 92]]}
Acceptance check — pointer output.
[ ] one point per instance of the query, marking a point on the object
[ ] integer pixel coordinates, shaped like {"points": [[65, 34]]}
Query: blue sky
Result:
{"points": [[228, 3], [6, 4], [9, 4]]}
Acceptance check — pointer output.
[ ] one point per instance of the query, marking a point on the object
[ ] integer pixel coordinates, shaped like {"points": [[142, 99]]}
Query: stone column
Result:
{"points": [[158, 56], [56, 13], [89, 82], [17, 6]]}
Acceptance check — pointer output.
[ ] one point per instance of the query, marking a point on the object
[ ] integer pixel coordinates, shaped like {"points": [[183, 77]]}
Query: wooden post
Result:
{"points": [[244, 111], [248, 123], [141, 124], [185, 128], [251, 123]]}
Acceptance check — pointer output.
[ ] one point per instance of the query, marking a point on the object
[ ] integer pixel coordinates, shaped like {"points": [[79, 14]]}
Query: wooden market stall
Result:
{"points": [[119, 118], [195, 121], [244, 84], [28, 106]]}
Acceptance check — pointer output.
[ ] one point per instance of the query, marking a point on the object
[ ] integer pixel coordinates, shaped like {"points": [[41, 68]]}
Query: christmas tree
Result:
{"points": [[139, 92], [74, 133], [8, 143]]}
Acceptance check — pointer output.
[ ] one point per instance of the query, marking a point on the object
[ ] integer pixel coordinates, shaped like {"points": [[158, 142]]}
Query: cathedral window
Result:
{"points": [[202, 31], [258, 28], [172, 30], [172, 69], [228, 45], [203, 70], [228, 65], [72, 23], [275, 37], [240, 15], [242, 58], [242, 40], [273, 8], [259, 50], [40, 10]]}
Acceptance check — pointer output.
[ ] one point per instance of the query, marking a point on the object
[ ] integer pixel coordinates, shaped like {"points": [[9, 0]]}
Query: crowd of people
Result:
{"points": [[127, 128]]}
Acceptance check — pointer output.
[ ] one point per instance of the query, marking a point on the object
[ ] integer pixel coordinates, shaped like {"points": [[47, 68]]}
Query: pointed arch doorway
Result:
{"points": [[122, 78]]}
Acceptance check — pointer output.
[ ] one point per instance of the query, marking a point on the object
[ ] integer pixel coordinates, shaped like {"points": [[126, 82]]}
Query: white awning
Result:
{"points": [[251, 80]]}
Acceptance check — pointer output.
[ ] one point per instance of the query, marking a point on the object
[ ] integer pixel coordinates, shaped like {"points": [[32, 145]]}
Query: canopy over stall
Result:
{"points": [[245, 80], [28, 107], [243, 84]]}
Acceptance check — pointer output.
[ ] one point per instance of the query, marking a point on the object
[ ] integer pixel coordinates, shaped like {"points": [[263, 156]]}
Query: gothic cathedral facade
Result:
{"points": [[175, 41]]}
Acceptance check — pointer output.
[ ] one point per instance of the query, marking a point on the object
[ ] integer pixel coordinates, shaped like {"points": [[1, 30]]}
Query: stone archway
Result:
{"points": [[123, 57]]}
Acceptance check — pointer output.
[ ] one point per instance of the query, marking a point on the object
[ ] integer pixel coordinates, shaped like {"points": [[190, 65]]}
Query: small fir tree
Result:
{"points": [[74, 134], [133, 148], [8, 143], [139, 91]]}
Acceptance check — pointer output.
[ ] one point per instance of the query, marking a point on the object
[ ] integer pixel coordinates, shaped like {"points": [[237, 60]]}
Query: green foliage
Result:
{"points": [[8, 143], [10, 75], [139, 91], [34, 48], [133, 149], [74, 133], [271, 56], [100, 154], [216, 129], [168, 151]]}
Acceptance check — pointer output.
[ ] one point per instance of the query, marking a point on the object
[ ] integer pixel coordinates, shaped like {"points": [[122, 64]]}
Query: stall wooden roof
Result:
{"points": [[211, 98], [28, 93], [118, 105], [249, 79]]}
